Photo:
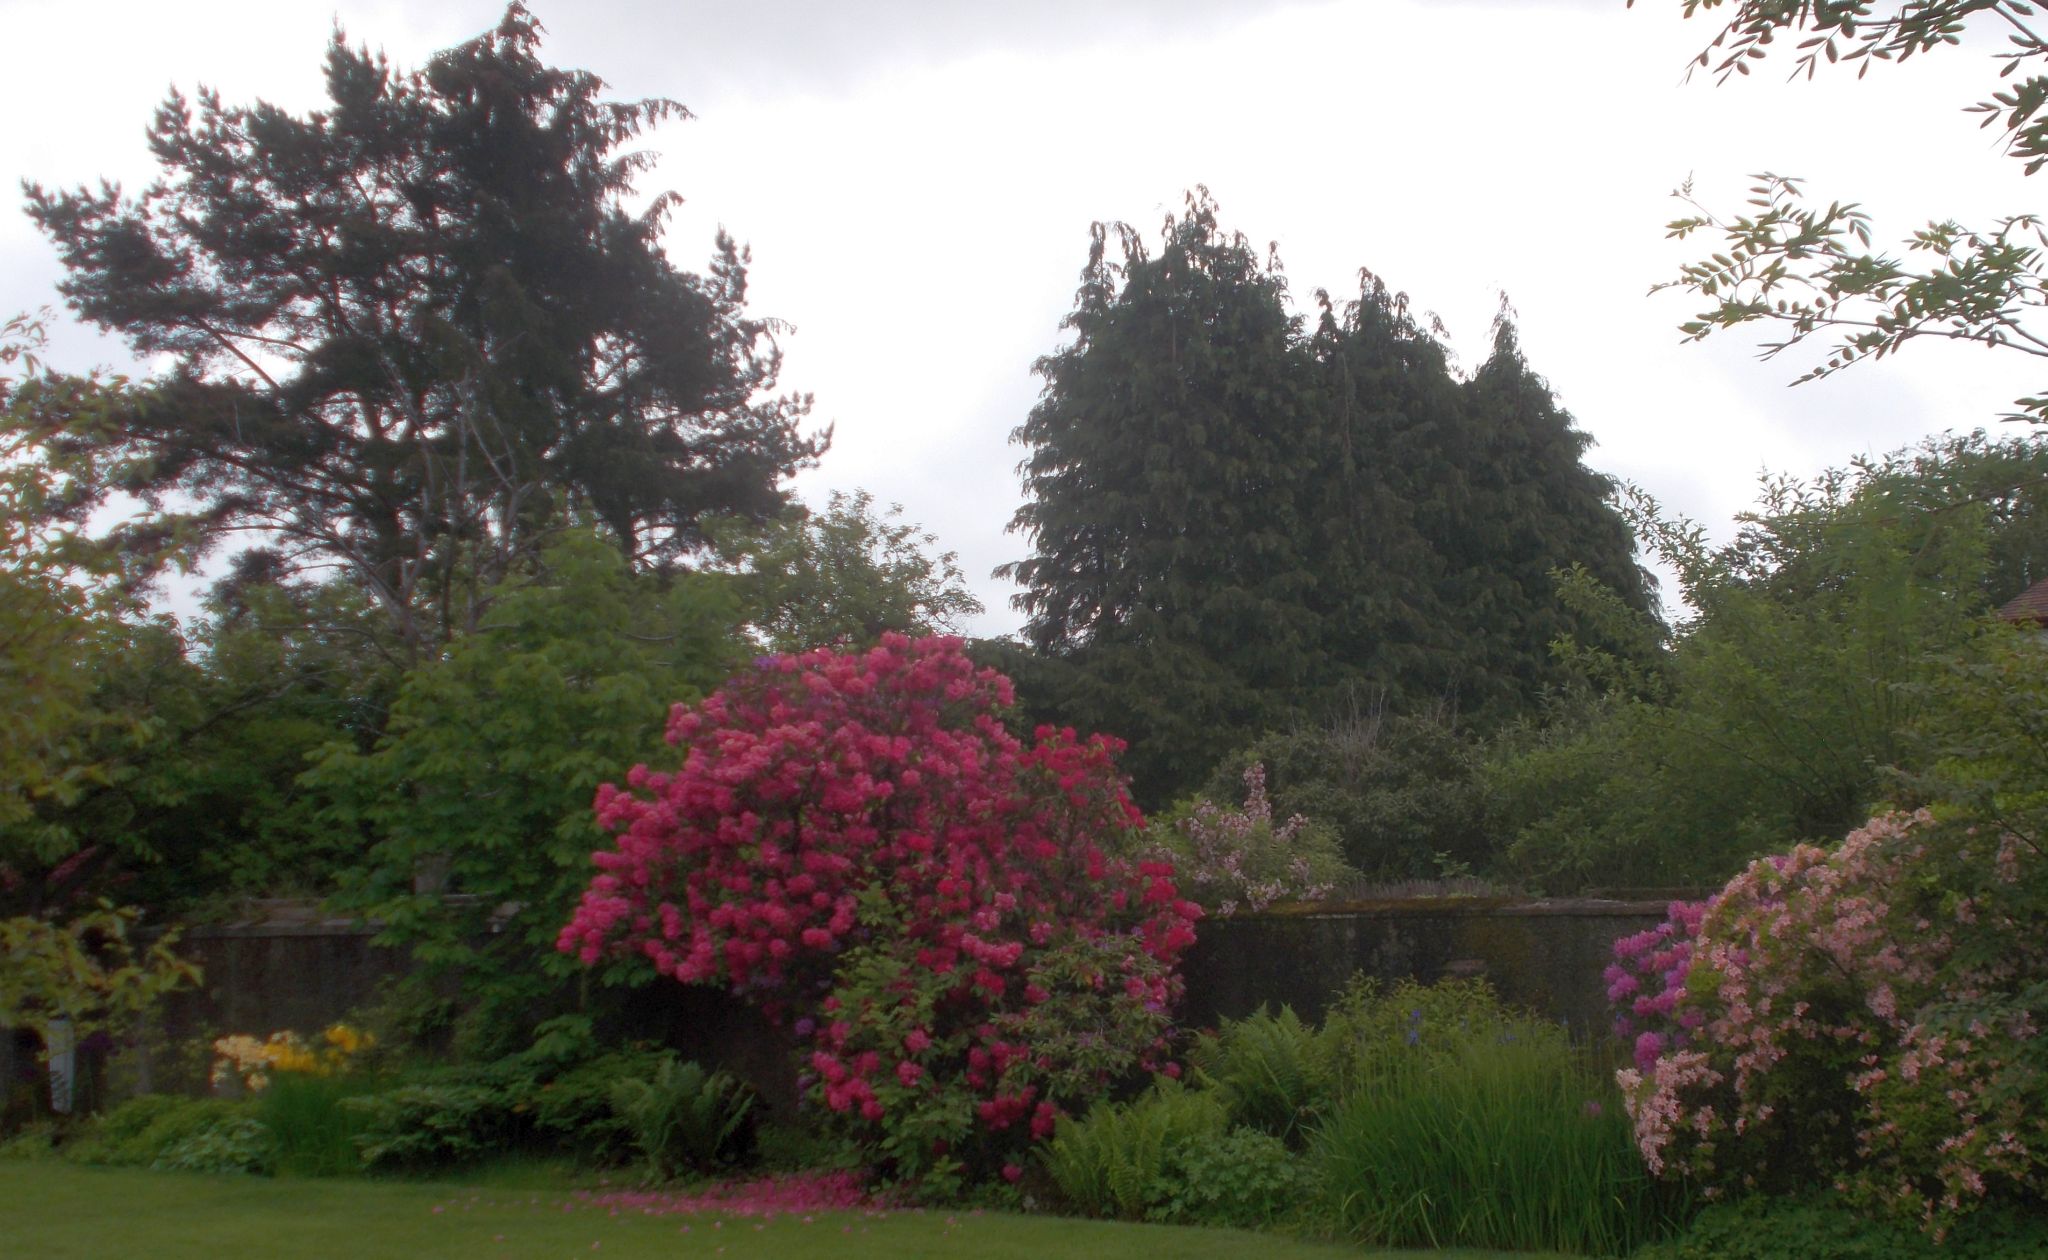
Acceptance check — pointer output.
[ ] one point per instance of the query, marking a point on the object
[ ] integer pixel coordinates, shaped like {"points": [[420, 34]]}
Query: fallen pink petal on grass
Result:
{"points": [[763, 1197]]}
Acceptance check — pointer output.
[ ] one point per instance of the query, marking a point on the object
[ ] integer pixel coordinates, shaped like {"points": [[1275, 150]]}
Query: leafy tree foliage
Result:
{"points": [[413, 331], [1808, 270], [53, 610], [843, 577], [1779, 704], [132, 765], [72, 633], [475, 798], [1231, 515], [1403, 793]]}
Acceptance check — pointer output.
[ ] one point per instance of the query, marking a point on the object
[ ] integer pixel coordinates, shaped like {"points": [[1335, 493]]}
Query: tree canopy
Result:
{"points": [[414, 332], [1232, 515], [842, 577], [1815, 633]]}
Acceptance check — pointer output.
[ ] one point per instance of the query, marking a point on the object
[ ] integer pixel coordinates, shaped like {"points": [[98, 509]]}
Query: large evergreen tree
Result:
{"points": [[415, 331], [1171, 548], [1235, 519]]}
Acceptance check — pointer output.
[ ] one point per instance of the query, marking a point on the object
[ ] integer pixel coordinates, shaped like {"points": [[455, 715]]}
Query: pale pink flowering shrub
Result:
{"points": [[1857, 1016], [855, 841], [1229, 860]]}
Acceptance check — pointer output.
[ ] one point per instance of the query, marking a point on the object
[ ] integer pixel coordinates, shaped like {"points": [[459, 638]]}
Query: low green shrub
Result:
{"points": [[1762, 1228], [233, 1144], [574, 1110], [1124, 1159], [419, 1127], [209, 1134], [1244, 1180], [683, 1117], [33, 1141]]}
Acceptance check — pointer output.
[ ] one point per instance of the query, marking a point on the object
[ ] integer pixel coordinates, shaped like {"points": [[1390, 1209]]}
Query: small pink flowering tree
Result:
{"points": [[1232, 859], [1864, 1016], [856, 842]]}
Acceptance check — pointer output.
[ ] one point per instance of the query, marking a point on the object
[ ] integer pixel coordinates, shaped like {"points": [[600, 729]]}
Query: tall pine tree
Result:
{"points": [[413, 333], [1234, 520]]}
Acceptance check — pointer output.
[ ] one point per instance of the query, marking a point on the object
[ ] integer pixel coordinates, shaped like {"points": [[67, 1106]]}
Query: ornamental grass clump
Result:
{"points": [[1460, 1124]]}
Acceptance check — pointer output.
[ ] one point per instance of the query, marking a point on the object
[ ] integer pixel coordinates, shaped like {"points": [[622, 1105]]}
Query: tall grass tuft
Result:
{"points": [[314, 1135], [1497, 1134]]}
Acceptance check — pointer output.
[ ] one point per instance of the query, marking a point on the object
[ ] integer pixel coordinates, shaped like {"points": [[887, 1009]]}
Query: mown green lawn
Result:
{"points": [[55, 1211]]}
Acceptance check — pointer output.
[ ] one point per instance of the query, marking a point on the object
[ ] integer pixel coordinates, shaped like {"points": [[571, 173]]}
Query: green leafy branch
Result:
{"points": [[1851, 32], [1808, 269]]}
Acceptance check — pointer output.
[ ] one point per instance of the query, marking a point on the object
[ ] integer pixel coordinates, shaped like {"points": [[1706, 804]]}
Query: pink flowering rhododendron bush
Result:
{"points": [[1865, 1016], [856, 842]]}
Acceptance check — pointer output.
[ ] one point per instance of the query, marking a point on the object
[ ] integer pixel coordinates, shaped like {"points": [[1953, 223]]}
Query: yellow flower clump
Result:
{"points": [[243, 1058]]}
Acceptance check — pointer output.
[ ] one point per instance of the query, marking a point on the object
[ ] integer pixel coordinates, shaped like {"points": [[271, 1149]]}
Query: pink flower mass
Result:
{"points": [[855, 837], [1804, 1024]]}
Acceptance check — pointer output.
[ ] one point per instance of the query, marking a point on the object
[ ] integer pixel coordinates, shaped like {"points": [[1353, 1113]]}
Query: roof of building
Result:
{"points": [[2029, 605]]}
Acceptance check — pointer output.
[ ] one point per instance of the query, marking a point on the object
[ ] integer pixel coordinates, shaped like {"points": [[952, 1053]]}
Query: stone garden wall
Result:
{"points": [[289, 968]]}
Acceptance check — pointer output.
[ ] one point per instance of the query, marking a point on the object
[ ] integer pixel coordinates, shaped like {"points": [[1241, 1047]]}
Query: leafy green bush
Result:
{"points": [[1244, 1180], [1373, 1034], [1761, 1228], [212, 1134], [575, 1110], [417, 1127], [1813, 649], [1124, 1159], [1263, 1071], [683, 1117], [233, 1144], [32, 1141]]}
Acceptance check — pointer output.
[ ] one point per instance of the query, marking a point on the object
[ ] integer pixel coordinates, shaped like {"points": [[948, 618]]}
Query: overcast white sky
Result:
{"points": [[916, 179]]}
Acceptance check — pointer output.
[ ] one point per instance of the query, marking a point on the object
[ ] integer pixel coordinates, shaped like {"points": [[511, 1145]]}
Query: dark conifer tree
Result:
{"points": [[1386, 385], [1170, 548], [1531, 508], [1236, 521], [415, 331]]}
